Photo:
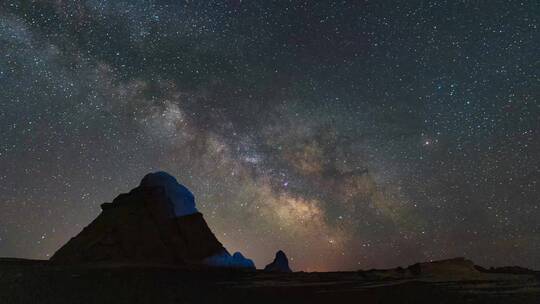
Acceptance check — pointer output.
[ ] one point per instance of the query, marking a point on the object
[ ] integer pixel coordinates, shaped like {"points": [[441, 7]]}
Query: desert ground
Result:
{"points": [[34, 281]]}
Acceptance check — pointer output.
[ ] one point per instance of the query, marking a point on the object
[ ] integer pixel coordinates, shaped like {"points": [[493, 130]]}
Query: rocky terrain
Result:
{"points": [[151, 245], [26, 281]]}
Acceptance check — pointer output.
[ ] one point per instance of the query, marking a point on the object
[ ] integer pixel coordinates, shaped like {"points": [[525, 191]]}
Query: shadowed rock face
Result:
{"points": [[143, 226], [280, 263]]}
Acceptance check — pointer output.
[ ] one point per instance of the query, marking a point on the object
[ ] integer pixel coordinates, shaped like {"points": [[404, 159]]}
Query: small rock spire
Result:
{"points": [[280, 263]]}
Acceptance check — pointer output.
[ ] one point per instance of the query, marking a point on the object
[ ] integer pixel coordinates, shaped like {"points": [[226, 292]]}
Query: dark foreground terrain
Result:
{"points": [[26, 281]]}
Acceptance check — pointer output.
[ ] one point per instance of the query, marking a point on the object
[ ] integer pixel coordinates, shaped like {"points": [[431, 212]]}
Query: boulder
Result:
{"points": [[224, 259]]}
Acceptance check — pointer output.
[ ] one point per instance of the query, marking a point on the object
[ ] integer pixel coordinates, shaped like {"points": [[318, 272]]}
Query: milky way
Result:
{"points": [[350, 134]]}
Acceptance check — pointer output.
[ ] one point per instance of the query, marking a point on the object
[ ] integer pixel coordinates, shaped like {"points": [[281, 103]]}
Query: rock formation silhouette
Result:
{"points": [[280, 263], [156, 222]]}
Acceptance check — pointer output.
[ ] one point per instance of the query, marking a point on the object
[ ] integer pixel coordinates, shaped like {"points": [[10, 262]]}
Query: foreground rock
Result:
{"points": [[280, 263], [157, 222]]}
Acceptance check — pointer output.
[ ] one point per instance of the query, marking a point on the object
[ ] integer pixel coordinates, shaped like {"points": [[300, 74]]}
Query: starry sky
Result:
{"points": [[350, 134]]}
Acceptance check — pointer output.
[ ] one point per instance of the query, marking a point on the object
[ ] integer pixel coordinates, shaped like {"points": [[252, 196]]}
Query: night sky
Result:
{"points": [[350, 134]]}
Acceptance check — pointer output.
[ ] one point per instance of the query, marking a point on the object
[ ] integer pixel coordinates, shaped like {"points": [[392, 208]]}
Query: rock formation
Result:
{"points": [[280, 263], [156, 222], [224, 259], [449, 266]]}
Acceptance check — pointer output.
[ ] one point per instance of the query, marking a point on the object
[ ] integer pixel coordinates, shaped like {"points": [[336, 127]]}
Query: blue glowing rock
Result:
{"points": [[181, 198]]}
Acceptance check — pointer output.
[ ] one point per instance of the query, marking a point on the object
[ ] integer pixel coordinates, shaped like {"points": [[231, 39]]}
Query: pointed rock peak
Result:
{"points": [[182, 199], [280, 263], [281, 256]]}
